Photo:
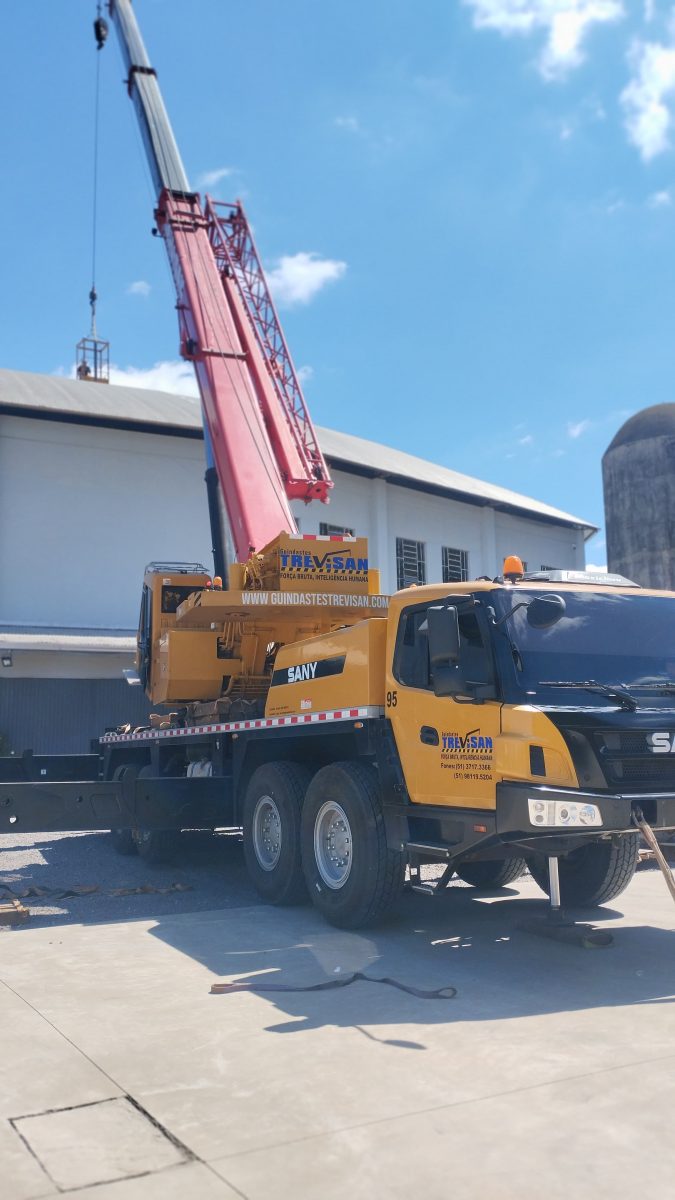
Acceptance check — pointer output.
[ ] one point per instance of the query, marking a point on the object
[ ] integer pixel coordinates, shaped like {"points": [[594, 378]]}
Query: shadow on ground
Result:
{"points": [[464, 939], [210, 874]]}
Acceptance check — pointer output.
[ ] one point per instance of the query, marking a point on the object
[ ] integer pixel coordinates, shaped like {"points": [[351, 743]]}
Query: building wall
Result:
{"points": [[62, 716], [385, 511], [83, 509]]}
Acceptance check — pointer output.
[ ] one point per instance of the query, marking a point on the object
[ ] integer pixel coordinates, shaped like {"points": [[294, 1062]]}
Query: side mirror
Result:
{"points": [[544, 611], [443, 634]]}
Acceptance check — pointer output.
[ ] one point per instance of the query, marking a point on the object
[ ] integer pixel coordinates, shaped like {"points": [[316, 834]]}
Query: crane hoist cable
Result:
{"points": [[101, 34]]}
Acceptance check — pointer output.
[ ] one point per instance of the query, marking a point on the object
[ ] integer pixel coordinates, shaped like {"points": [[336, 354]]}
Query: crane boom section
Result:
{"points": [[166, 165], [264, 445], [253, 489]]}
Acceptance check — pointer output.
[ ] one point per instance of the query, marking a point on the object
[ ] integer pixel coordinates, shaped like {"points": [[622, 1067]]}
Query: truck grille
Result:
{"points": [[629, 763]]}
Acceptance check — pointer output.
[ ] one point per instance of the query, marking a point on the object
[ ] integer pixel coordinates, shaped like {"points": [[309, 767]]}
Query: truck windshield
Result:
{"points": [[602, 638]]}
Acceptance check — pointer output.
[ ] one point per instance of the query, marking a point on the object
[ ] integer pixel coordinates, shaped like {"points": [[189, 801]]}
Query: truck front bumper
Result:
{"points": [[525, 812]]}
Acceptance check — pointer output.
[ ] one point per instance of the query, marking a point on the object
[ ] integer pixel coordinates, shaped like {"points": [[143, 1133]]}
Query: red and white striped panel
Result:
{"points": [[320, 537], [338, 714]]}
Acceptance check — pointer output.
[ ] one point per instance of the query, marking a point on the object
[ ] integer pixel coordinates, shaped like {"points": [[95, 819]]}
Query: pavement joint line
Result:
{"points": [[438, 1108], [190, 1155]]}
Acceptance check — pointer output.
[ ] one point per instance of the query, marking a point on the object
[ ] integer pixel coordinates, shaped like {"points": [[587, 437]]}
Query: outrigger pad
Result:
{"points": [[571, 932]]}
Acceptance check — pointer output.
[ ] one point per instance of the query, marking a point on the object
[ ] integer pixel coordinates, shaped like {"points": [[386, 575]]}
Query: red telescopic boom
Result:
{"points": [[264, 445]]}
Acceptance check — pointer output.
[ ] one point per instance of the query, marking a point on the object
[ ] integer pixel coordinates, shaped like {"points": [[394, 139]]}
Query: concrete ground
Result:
{"points": [[551, 1074]]}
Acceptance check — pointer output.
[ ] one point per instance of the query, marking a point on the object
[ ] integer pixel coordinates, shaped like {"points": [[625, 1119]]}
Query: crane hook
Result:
{"points": [[100, 30]]}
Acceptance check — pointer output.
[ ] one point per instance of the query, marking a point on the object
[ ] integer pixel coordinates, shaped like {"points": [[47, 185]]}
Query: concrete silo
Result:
{"points": [[638, 471]]}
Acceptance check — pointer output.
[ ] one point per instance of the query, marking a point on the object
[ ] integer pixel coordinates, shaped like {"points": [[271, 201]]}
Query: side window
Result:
{"points": [[411, 658], [474, 661]]}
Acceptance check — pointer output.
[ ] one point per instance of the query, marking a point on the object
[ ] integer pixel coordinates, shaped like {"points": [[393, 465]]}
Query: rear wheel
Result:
{"points": [[156, 845], [123, 839], [352, 876], [271, 820], [592, 874], [492, 874]]}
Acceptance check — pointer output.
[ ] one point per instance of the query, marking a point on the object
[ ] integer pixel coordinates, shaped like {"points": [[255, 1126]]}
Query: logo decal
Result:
{"points": [[467, 756], [305, 672], [661, 742]]}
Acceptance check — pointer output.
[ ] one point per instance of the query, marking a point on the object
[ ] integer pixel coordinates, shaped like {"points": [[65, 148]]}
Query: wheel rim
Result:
{"points": [[267, 833], [333, 845]]}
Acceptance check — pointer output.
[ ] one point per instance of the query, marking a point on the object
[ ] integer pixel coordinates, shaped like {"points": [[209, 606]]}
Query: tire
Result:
{"points": [[352, 876], [592, 874], [492, 874], [155, 845], [123, 839], [271, 821]]}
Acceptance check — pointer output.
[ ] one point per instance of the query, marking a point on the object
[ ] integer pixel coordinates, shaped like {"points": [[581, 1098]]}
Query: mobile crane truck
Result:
{"points": [[487, 726]]}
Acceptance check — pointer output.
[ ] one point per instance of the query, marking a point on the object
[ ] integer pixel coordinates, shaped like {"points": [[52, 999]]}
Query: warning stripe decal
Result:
{"points": [[339, 714]]}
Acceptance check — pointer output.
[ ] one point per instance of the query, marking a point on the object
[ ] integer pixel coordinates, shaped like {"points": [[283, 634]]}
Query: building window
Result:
{"points": [[327, 530], [455, 565], [543, 567], [410, 564]]}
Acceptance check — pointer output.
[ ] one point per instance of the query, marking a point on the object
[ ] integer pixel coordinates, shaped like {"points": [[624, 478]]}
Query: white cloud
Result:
{"points": [[526, 441], [351, 124], [648, 117], [140, 287], [566, 131], [575, 429], [660, 200], [169, 376], [212, 178], [564, 24], [297, 278], [305, 374], [594, 567]]}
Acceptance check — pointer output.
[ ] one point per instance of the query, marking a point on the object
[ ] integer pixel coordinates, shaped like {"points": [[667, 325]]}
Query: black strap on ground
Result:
{"points": [[443, 993]]}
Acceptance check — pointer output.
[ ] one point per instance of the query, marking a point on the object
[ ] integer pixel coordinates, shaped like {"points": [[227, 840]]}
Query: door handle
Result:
{"points": [[429, 735]]}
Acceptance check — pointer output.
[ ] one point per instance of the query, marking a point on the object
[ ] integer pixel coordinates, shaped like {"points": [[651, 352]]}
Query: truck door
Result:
{"points": [[446, 745]]}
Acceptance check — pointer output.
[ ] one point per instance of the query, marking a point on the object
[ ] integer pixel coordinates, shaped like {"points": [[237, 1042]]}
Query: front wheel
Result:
{"points": [[352, 875], [592, 874], [271, 821]]}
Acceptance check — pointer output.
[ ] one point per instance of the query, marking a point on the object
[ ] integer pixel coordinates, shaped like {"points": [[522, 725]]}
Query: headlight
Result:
{"points": [[557, 813]]}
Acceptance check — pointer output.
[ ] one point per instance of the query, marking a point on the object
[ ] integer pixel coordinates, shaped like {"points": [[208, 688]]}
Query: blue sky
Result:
{"points": [[467, 208]]}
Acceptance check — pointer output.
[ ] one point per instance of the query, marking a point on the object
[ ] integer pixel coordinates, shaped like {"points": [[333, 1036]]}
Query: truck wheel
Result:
{"points": [[123, 839], [155, 845], [271, 820], [592, 874], [352, 876], [492, 874]]}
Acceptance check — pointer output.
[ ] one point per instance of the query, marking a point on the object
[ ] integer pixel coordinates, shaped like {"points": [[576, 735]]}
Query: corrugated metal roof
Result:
{"points": [[384, 461], [55, 394], [133, 405]]}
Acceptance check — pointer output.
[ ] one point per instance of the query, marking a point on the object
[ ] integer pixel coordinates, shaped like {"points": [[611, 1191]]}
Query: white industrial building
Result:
{"points": [[96, 481]]}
